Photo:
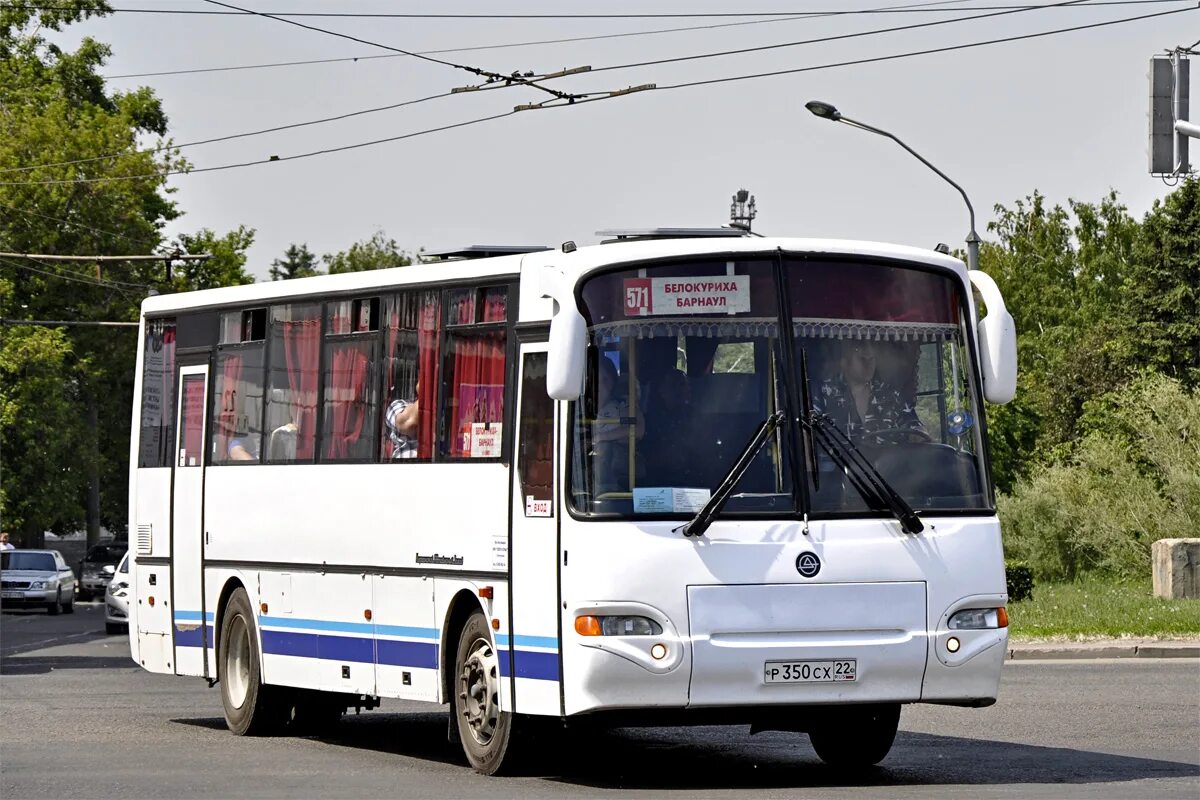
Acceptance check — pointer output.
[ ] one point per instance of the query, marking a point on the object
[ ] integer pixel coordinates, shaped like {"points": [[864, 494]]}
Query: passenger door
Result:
{"points": [[530, 654], [191, 624]]}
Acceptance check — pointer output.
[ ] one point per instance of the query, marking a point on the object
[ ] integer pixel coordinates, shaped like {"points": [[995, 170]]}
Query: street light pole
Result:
{"points": [[829, 112]]}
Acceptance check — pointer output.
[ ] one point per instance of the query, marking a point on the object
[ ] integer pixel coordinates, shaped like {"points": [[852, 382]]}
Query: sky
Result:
{"points": [[1065, 115]]}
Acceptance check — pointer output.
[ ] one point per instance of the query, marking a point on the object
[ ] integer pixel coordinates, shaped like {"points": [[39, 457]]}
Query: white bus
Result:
{"points": [[679, 477]]}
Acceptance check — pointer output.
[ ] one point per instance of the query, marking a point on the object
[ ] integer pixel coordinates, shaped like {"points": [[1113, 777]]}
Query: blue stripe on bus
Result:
{"points": [[193, 636], [550, 642], [530, 664], [193, 616], [366, 650]]}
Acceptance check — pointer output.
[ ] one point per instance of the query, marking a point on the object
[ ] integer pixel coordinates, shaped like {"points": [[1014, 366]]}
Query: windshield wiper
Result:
{"points": [[863, 476], [705, 516]]}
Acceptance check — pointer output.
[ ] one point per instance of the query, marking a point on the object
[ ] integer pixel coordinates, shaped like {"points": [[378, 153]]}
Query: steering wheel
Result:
{"points": [[898, 435]]}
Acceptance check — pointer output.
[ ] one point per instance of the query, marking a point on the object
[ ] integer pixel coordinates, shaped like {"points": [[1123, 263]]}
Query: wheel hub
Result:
{"points": [[478, 691]]}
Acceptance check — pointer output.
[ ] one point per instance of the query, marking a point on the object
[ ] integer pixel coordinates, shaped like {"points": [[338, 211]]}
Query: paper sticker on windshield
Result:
{"points": [[720, 294], [669, 500]]}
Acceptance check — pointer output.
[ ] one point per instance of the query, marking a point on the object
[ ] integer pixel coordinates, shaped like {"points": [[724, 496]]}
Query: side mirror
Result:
{"points": [[568, 339], [997, 342], [109, 570]]}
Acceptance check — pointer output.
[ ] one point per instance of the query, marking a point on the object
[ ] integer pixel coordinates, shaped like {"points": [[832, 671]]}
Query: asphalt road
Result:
{"points": [[79, 719]]}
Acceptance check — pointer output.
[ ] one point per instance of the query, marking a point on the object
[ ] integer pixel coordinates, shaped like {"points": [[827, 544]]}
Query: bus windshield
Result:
{"points": [[686, 361]]}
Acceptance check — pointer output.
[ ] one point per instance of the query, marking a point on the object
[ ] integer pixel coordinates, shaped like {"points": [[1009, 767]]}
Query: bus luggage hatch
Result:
{"points": [[798, 644]]}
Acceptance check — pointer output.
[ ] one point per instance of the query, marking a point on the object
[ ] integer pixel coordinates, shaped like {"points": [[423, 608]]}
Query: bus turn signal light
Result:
{"points": [[1002, 617], [588, 626]]}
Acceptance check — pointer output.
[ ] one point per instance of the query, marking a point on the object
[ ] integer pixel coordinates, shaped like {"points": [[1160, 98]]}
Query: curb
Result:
{"points": [[1098, 650]]}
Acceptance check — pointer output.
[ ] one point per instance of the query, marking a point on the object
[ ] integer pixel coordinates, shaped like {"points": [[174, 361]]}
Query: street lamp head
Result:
{"points": [[823, 110]]}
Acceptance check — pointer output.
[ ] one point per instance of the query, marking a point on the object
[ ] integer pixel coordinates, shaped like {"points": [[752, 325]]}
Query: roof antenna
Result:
{"points": [[742, 210]]}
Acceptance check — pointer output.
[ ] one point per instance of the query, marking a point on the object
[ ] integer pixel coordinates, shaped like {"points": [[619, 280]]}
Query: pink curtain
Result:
{"points": [[478, 391], [429, 331], [347, 390], [231, 375], [302, 348]]}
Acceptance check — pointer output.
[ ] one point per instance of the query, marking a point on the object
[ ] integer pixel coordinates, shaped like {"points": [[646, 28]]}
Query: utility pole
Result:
{"points": [[742, 210]]}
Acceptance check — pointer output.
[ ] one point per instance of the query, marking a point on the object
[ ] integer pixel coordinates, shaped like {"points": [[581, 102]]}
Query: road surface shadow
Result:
{"points": [[37, 665], [727, 757]]}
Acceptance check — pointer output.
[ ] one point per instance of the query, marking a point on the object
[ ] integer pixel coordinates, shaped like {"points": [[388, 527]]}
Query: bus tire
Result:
{"points": [[251, 707], [486, 732], [858, 738]]}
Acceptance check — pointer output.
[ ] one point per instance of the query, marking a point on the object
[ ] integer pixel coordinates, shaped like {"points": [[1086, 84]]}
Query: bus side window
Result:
{"points": [[237, 405], [295, 352], [156, 441], [412, 330], [474, 373], [535, 451]]}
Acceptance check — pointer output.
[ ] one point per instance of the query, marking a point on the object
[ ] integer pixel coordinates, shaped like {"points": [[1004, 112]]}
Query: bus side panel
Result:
{"points": [[152, 595], [326, 641], [150, 534], [406, 637]]}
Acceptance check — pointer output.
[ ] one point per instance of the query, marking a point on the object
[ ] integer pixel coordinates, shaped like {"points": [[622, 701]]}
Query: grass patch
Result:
{"points": [[1095, 609]]}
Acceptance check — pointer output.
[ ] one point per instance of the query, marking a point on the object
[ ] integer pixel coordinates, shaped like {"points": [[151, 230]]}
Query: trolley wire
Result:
{"points": [[531, 16], [566, 40], [606, 95], [615, 67]]}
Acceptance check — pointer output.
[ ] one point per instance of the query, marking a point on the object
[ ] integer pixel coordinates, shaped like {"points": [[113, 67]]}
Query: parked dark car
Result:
{"points": [[36, 578], [93, 577]]}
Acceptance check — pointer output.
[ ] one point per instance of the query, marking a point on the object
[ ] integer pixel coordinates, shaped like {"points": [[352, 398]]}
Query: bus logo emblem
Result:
{"points": [[808, 565]]}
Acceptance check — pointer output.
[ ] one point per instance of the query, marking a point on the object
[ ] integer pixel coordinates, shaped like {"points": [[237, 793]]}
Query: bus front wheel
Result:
{"points": [[485, 731], [857, 737], [251, 707]]}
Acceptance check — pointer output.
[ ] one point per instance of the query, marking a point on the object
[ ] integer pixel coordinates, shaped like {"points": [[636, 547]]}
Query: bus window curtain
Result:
{"points": [[349, 403], [231, 376], [477, 395], [302, 342], [429, 334]]}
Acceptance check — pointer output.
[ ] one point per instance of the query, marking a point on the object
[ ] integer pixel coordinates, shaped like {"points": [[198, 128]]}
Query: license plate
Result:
{"points": [[10, 595], [837, 671]]}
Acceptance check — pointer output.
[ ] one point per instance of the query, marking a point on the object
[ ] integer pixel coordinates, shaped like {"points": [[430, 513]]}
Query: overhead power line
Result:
{"points": [[694, 57], [507, 15], [495, 77], [838, 37], [81, 226], [75, 277], [566, 40], [596, 96], [232, 136]]}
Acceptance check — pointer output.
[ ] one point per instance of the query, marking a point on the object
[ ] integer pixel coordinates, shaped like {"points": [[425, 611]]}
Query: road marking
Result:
{"points": [[23, 645]]}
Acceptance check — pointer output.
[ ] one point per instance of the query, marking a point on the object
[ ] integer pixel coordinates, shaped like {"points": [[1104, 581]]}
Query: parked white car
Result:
{"points": [[36, 578], [116, 599]]}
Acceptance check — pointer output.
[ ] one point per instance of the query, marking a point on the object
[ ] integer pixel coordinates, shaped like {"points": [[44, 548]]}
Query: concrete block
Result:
{"points": [[1176, 568]]}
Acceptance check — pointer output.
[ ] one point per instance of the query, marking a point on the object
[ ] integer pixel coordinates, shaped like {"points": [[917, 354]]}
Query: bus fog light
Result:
{"points": [[952, 644], [659, 652], [978, 619]]}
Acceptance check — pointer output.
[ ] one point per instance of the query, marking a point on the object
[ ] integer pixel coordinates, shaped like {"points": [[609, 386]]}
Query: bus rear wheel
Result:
{"points": [[485, 731], [857, 737], [251, 707]]}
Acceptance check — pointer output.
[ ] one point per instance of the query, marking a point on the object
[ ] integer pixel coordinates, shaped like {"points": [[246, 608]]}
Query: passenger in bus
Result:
{"points": [[861, 403], [401, 418], [610, 431], [241, 447]]}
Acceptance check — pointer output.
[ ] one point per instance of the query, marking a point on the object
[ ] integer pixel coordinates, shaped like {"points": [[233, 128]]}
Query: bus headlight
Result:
{"points": [[978, 619], [624, 625]]}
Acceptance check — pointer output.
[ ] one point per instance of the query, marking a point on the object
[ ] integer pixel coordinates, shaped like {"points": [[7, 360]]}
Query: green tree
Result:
{"points": [[227, 267], [75, 182], [377, 252], [1063, 272], [1162, 287], [297, 262]]}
